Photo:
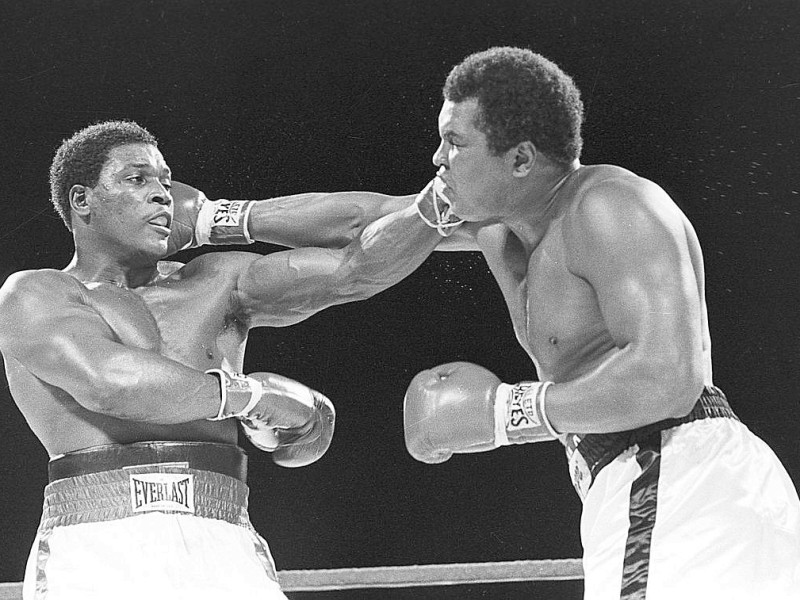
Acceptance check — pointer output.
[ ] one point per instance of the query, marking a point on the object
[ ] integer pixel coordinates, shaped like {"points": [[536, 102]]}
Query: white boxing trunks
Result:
{"points": [[693, 508], [149, 520]]}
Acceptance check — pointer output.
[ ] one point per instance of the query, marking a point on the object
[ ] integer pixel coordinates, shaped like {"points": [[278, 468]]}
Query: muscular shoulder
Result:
{"points": [[617, 211], [41, 283], [28, 295]]}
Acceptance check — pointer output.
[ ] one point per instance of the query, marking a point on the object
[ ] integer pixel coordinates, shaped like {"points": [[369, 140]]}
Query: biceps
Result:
{"points": [[287, 287], [653, 304], [70, 352]]}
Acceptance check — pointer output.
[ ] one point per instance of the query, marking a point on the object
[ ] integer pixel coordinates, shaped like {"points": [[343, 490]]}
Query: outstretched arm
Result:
{"points": [[321, 219], [287, 287], [326, 220], [334, 219]]}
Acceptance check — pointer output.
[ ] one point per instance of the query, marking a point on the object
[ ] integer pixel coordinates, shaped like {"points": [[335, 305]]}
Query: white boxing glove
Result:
{"points": [[280, 415]]}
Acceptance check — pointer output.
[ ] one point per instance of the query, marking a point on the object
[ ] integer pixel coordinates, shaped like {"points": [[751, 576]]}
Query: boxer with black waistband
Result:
{"points": [[603, 278], [128, 367]]}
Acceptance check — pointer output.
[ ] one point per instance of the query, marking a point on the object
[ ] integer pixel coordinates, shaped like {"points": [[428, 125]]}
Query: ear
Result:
{"points": [[523, 158], [78, 201]]}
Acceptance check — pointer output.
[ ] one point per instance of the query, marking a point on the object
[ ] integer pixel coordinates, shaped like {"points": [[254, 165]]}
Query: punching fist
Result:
{"points": [[187, 202], [296, 446], [278, 415], [450, 409]]}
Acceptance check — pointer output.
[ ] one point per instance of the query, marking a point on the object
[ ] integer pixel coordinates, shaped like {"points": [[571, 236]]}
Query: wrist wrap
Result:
{"points": [[236, 383], [224, 222], [519, 410]]}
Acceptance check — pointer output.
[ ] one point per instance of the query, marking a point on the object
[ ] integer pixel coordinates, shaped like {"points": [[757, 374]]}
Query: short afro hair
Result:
{"points": [[522, 96], [80, 158]]}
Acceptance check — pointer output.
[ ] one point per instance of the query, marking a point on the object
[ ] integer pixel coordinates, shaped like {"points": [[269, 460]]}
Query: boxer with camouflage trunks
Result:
{"points": [[128, 367], [604, 281]]}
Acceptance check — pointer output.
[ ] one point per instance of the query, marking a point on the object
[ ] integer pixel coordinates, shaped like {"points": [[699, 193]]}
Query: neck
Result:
{"points": [[541, 200], [104, 269]]}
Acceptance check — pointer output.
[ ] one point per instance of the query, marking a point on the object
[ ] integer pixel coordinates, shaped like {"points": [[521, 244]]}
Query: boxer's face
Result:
{"points": [[477, 177], [131, 206]]}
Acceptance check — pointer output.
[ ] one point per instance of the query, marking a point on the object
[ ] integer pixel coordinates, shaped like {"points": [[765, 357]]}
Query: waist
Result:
{"points": [[225, 459], [589, 453], [141, 490]]}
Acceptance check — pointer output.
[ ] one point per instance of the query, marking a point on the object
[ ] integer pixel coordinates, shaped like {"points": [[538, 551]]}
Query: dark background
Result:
{"points": [[256, 99]]}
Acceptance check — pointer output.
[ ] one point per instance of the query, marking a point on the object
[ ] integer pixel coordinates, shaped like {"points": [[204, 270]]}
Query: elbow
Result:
{"points": [[355, 283], [350, 229], [362, 290], [345, 236], [682, 383], [112, 383]]}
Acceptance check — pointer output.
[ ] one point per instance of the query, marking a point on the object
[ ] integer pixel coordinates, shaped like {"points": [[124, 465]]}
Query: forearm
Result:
{"points": [[325, 220], [628, 389], [139, 385], [389, 250], [316, 219]]}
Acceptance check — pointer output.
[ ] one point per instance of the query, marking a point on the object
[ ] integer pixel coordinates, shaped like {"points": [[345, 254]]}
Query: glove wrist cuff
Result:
{"points": [[520, 415], [224, 222], [231, 386]]}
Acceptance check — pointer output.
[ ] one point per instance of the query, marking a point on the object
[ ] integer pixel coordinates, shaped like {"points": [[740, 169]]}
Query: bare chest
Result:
{"points": [[555, 314], [172, 318]]}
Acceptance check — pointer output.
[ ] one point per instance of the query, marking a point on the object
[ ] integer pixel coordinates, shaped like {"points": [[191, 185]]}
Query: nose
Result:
{"points": [[440, 156], [162, 195]]}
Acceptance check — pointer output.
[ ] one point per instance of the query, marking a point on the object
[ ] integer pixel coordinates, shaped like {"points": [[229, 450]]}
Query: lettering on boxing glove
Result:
{"points": [[224, 222], [233, 384], [519, 414], [435, 208]]}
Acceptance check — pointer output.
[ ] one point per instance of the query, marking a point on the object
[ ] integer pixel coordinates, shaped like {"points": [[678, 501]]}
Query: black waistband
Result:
{"points": [[226, 459], [599, 449]]}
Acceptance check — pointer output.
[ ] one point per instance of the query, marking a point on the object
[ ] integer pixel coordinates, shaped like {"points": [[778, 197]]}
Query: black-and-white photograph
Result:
{"points": [[394, 300]]}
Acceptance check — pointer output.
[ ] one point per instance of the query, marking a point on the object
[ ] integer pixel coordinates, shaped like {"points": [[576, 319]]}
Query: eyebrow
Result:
{"points": [[450, 134], [147, 166]]}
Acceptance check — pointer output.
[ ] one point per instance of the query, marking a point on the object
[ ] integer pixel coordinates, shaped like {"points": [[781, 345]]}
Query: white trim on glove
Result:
{"points": [[519, 409]]}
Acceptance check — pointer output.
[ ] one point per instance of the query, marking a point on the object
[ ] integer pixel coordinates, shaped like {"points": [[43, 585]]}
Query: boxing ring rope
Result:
{"points": [[322, 580]]}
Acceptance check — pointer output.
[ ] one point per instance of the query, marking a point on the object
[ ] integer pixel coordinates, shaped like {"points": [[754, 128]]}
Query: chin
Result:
{"points": [[152, 254]]}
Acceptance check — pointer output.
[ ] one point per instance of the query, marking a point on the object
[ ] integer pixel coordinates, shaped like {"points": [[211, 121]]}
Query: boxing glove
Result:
{"points": [[187, 202], [279, 415], [197, 221], [462, 407], [297, 446], [448, 409]]}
